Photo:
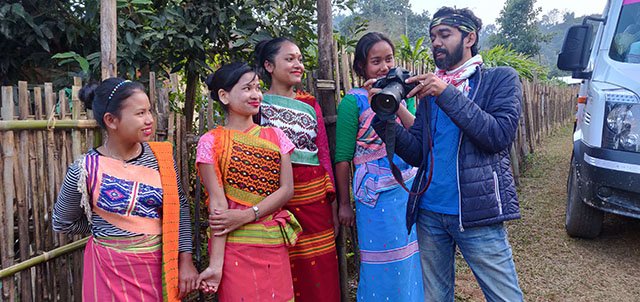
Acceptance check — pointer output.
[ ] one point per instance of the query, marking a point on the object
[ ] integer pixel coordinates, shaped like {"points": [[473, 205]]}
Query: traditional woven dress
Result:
{"points": [[248, 168], [140, 221], [314, 262], [389, 260]]}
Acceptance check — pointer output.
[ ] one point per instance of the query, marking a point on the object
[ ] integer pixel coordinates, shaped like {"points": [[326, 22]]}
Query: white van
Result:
{"points": [[605, 164]]}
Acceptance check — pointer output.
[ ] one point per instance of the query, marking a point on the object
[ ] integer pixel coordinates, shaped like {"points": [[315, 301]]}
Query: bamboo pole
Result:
{"points": [[52, 156], [47, 124], [345, 72], [37, 170], [75, 115], [22, 183], [3, 245], [8, 152], [184, 154], [528, 101], [336, 70], [171, 126], [45, 256], [210, 120]]}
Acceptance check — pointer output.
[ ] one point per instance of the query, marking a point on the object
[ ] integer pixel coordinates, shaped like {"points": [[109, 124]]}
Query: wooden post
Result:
{"points": [[75, 115], [8, 154], [327, 101], [21, 177], [336, 69], [209, 111], [152, 92], [37, 168], [345, 71], [108, 38], [3, 243], [528, 102]]}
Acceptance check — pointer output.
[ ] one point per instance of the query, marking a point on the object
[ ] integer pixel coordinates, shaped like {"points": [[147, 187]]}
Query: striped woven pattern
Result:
{"points": [[277, 229], [313, 245], [170, 219], [311, 190]]}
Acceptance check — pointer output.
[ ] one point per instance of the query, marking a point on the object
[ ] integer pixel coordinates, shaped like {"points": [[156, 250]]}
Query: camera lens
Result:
{"points": [[384, 103]]}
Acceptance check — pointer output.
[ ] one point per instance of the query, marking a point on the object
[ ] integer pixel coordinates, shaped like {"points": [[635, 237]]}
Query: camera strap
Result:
{"points": [[390, 146]]}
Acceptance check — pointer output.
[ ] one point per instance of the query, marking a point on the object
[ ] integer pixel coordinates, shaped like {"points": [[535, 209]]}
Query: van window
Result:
{"points": [[626, 42]]}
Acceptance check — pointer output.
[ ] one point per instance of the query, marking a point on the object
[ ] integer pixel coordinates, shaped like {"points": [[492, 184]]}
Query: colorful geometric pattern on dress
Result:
{"points": [[129, 198], [170, 219], [313, 245], [149, 199], [297, 120], [115, 194], [254, 170], [249, 166]]}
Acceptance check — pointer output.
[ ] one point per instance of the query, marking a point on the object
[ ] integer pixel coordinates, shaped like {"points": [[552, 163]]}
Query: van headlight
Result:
{"points": [[622, 123]]}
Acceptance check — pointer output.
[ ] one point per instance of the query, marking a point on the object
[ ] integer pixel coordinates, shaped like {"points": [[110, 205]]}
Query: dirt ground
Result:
{"points": [[552, 266]]}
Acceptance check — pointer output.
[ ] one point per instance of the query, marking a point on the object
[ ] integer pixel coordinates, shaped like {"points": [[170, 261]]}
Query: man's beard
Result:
{"points": [[449, 59]]}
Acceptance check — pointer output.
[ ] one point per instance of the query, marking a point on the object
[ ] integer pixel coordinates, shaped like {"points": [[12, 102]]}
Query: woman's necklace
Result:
{"points": [[124, 160]]}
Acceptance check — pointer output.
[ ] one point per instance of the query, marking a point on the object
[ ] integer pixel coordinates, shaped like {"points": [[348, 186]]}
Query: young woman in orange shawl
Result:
{"points": [[246, 170], [127, 195]]}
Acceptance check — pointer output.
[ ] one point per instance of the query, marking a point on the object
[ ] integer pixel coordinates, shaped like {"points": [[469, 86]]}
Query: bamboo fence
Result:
{"points": [[43, 131]]}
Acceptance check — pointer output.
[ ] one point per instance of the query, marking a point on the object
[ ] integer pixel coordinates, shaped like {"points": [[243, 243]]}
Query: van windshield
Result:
{"points": [[626, 42]]}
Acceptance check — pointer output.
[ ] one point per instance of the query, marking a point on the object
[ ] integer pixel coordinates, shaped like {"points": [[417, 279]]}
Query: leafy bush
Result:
{"points": [[504, 56]]}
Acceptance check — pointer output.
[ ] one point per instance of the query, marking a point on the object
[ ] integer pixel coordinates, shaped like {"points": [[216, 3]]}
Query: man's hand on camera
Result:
{"points": [[427, 85]]}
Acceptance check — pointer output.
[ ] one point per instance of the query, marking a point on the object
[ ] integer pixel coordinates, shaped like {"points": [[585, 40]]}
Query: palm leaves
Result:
{"points": [[415, 53]]}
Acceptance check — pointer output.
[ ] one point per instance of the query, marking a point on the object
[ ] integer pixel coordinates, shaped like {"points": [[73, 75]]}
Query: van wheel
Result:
{"points": [[582, 220]]}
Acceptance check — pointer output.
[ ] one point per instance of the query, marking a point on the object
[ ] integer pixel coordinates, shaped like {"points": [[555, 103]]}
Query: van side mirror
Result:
{"points": [[576, 49]]}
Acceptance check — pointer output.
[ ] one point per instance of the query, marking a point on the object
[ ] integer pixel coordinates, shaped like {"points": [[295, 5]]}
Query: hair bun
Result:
{"points": [[258, 51], [209, 81], [87, 94]]}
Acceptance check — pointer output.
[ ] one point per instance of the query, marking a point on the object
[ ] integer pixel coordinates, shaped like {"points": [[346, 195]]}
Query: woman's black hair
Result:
{"points": [[362, 50], [266, 50], [448, 11], [108, 96], [225, 78]]}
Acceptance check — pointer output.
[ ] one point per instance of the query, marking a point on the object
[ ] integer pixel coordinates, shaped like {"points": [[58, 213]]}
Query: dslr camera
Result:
{"points": [[386, 102]]}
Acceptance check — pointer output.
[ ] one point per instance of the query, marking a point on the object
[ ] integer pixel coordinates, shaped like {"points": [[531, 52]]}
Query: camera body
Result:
{"points": [[386, 102]]}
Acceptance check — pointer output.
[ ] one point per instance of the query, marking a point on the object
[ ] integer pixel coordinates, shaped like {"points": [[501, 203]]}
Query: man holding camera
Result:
{"points": [[464, 190]]}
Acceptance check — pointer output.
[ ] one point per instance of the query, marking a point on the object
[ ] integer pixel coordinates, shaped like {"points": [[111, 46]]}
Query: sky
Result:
{"points": [[488, 10]]}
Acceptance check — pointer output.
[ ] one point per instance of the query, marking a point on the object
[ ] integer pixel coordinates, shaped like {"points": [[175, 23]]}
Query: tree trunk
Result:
{"points": [[108, 38], [189, 98], [327, 101]]}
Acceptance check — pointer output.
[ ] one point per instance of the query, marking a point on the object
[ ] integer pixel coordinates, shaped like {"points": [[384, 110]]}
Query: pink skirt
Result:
{"points": [[123, 269], [256, 274]]}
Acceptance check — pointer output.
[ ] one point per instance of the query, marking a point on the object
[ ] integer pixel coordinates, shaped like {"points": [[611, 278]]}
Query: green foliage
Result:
{"points": [[87, 65], [393, 18], [31, 31], [153, 35], [518, 27], [504, 56], [413, 53], [349, 33]]}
